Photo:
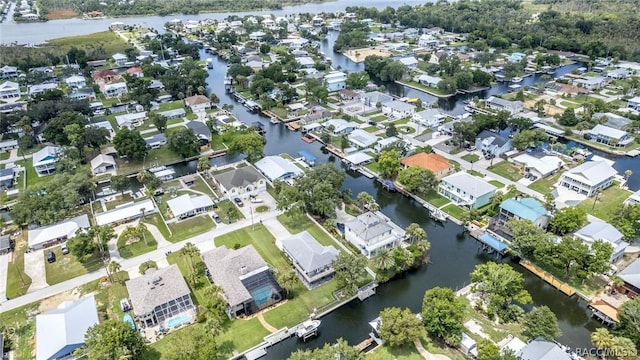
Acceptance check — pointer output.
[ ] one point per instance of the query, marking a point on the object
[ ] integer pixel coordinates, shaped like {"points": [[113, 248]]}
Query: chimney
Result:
{"points": [[243, 270]]}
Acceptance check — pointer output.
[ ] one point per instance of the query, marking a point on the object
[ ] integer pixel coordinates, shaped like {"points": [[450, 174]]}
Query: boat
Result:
{"points": [[516, 79], [155, 169], [274, 120], [438, 215], [308, 329], [209, 63]]}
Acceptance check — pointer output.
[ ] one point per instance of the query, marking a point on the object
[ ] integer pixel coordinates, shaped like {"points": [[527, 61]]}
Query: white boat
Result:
{"points": [[308, 329], [274, 120], [155, 169], [209, 63], [438, 215], [516, 79]]}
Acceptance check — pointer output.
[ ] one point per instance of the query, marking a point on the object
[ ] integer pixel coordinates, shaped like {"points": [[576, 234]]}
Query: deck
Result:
{"points": [[550, 279]]}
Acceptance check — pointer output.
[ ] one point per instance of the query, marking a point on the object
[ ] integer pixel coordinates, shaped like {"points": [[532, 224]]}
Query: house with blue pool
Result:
{"points": [[244, 277]]}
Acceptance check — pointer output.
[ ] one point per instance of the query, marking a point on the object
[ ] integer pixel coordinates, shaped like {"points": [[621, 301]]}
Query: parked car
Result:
{"points": [[64, 249], [216, 218], [238, 201], [51, 257]]}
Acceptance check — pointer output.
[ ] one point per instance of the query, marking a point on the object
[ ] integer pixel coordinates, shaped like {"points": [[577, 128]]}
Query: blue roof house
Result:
{"points": [[522, 209]]}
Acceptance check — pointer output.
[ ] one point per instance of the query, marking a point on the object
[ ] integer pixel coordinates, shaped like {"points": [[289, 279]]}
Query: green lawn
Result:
{"points": [[228, 212], [24, 326], [154, 157], [401, 121], [428, 89], [406, 130], [108, 295], [471, 157], [119, 200], [496, 183], [607, 201], [32, 176], [385, 352], [476, 173], [379, 118], [298, 225], [261, 239], [5, 155], [506, 170], [67, 266], [455, 211], [18, 281], [373, 166], [569, 104], [156, 220], [200, 185], [108, 41], [545, 185], [171, 105], [142, 246], [243, 334], [435, 199], [301, 305], [371, 129], [185, 229]]}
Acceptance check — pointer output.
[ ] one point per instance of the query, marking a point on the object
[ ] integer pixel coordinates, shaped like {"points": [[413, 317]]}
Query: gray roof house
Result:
{"points": [[59, 332], [542, 350], [499, 104], [465, 189], [156, 141], [245, 279], [374, 97], [7, 178], [631, 277], [609, 136], [245, 180], [311, 260], [200, 129], [493, 143], [42, 237], [44, 161], [613, 120], [362, 139], [159, 295], [370, 232], [599, 230]]}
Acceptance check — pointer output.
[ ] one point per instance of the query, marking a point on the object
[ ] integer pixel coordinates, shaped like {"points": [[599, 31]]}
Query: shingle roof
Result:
{"points": [[227, 267], [542, 350], [368, 226], [432, 162], [156, 287], [492, 138], [184, 204], [400, 105], [527, 208], [631, 274], [197, 100], [308, 253], [241, 177], [470, 184], [102, 159], [594, 171]]}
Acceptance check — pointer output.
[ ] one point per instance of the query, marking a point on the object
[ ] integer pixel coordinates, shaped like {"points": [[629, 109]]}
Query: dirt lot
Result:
{"points": [[358, 55], [61, 14], [55, 301]]}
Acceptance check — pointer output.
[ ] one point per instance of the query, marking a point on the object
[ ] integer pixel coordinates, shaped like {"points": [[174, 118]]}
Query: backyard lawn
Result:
{"points": [[496, 183], [455, 211], [154, 157], [32, 176], [298, 225], [137, 245], [435, 199], [373, 166], [301, 305], [261, 239], [545, 185], [119, 200], [607, 201], [5, 155], [67, 266], [201, 186], [185, 229], [470, 158], [506, 170], [371, 129]]}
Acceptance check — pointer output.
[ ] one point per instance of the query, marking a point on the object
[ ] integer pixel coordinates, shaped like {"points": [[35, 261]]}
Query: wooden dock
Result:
{"points": [[550, 279], [365, 344], [367, 291]]}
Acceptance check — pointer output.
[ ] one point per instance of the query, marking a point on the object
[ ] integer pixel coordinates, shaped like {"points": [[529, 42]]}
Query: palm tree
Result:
{"points": [[384, 259], [190, 250], [203, 164], [287, 280], [415, 233], [511, 188], [364, 199], [113, 268], [627, 174], [602, 338], [141, 230]]}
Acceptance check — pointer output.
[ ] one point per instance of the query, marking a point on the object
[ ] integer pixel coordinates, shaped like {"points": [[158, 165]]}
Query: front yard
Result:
{"points": [[131, 246], [67, 266], [185, 229], [301, 305], [17, 280], [298, 225], [545, 185], [470, 157], [506, 170], [228, 212]]}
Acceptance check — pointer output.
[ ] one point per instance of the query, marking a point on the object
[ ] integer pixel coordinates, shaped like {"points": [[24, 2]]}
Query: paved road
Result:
{"points": [[132, 263]]}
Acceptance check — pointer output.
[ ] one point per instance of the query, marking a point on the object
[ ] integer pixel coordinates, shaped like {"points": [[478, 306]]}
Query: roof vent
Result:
{"points": [[243, 270]]}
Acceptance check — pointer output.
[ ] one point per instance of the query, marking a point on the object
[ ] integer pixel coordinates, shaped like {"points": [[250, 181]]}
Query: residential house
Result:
{"points": [[410, 62], [499, 104], [599, 230], [34, 90], [359, 158], [311, 260], [522, 209], [185, 206], [347, 94], [119, 59], [242, 181], [114, 90], [633, 199], [466, 190], [257, 35], [436, 56], [9, 72], [370, 232], [244, 277], [76, 81], [42, 237], [427, 41], [634, 103], [103, 164], [126, 212], [156, 141], [44, 161], [609, 136], [428, 80], [85, 93], [613, 120], [277, 168], [136, 72], [588, 178], [335, 81], [339, 127], [383, 143], [132, 120], [493, 143], [61, 331], [540, 349], [106, 77], [631, 277], [305, 62], [398, 109], [8, 145], [173, 114], [362, 139], [201, 130], [375, 97], [317, 113], [9, 91], [104, 124], [198, 103], [516, 57], [435, 163], [539, 166], [618, 74], [7, 178], [160, 295], [591, 83], [429, 118]]}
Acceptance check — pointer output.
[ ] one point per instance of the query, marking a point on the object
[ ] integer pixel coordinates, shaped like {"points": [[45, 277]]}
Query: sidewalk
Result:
{"points": [[4, 268]]}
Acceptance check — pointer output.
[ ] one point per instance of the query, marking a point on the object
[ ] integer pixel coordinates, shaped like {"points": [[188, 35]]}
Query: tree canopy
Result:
{"points": [[340, 350], [416, 179], [113, 339], [349, 270], [399, 326], [131, 144], [389, 162], [250, 143], [443, 314], [567, 220], [184, 142], [629, 325], [541, 322], [499, 285]]}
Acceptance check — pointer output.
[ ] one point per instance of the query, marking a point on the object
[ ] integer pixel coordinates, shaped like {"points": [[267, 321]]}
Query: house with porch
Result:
{"points": [[465, 189], [9, 72], [277, 168], [539, 166], [185, 206], [631, 277], [244, 277], [44, 161], [428, 80], [156, 141], [429, 118], [398, 109], [8, 145], [242, 181], [311, 260], [9, 91], [609, 136], [160, 295], [42, 237], [371, 232], [126, 212], [339, 127], [522, 209], [114, 90], [119, 59], [76, 81], [588, 178], [103, 164], [600, 230], [362, 139], [492, 143]]}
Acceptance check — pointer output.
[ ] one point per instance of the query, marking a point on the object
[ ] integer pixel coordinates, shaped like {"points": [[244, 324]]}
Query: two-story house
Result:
{"points": [[9, 91], [241, 181], [435, 163], [600, 230], [499, 104], [132, 120], [119, 59], [493, 143], [466, 190], [335, 81], [371, 232], [398, 109], [44, 161], [311, 260], [76, 81], [198, 103], [609, 136], [522, 209], [428, 118], [588, 178]]}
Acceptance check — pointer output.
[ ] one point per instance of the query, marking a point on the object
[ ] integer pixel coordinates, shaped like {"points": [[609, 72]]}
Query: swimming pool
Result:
{"points": [[176, 321], [261, 295]]}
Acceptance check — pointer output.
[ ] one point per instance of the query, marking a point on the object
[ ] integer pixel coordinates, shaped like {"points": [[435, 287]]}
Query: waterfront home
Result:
{"points": [[609, 136], [198, 103], [499, 104], [338, 127], [633, 199], [522, 209], [86, 93], [277, 168], [244, 277], [160, 295], [540, 349], [617, 74], [398, 109], [612, 120], [173, 114], [358, 158], [428, 80], [257, 35], [102, 164], [305, 62], [185, 206], [383, 143], [591, 83], [156, 141], [539, 166], [347, 94], [201, 130], [466, 190], [242, 181], [410, 62], [9, 72], [588, 178], [44, 160], [375, 97], [362, 139], [435, 163], [114, 90], [132, 120], [8, 145], [76, 81], [7, 178], [436, 56], [119, 59], [135, 72], [599, 230], [634, 103], [371, 232], [34, 90], [311, 260], [317, 113], [631, 277], [9, 91], [42, 237], [61, 331], [126, 212], [428, 118], [106, 77], [335, 81], [492, 143]]}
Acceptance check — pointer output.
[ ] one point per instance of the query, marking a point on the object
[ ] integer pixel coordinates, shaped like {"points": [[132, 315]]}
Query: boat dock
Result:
{"points": [[550, 279], [491, 242], [367, 291], [365, 344]]}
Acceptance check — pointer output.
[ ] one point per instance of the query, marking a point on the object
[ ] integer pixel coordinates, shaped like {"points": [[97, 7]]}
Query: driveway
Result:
{"points": [[4, 267], [34, 268]]}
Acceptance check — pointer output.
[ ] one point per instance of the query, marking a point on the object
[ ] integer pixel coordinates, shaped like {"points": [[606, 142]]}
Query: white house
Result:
{"points": [[359, 158], [198, 103], [242, 181], [609, 136], [588, 178], [277, 168], [102, 164], [410, 62], [374, 97], [132, 120], [466, 190], [126, 212], [492, 143], [634, 103], [633, 199], [362, 139], [114, 89], [8, 145], [44, 161], [398, 109], [383, 143], [305, 62], [335, 81], [185, 206], [40, 88], [9, 91], [428, 80], [43, 237], [591, 83], [311, 260], [104, 125], [339, 126], [371, 232], [496, 103], [8, 72], [119, 59], [427, 41], [429, 118], [540, 167], [599, 230], [257, 35], [76, 81]]}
